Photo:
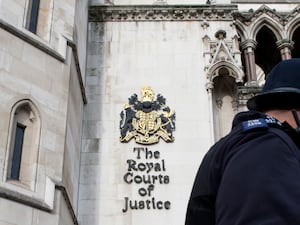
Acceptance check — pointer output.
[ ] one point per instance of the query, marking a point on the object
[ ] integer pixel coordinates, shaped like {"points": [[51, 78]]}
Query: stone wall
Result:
{"points": [[76, 103], [56, 19], [44, 72], [27, 73], [123, 55]]}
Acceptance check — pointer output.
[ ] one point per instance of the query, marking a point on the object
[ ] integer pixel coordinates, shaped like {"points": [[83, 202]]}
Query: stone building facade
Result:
{"points": [[42, 70], [107, 107]]}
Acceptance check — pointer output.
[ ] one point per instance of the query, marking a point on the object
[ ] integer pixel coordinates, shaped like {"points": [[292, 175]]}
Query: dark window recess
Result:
{"points": [[296, 40], [17, 153], [33, 15], [267, 54]]}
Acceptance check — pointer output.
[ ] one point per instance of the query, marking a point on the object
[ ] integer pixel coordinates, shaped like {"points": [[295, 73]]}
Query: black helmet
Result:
{"points": [[281, 90]]}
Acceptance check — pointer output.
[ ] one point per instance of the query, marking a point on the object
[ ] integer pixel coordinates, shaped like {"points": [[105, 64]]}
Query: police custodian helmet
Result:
{"points": [[281, 90]]}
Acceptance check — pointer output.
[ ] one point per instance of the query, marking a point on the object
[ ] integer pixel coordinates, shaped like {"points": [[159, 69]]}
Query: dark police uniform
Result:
{"points": [[251, 176]]}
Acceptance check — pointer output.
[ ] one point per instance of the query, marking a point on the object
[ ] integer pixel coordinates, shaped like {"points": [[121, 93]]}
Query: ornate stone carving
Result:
{"points": [[247, 92], [101, 13], [220, 34], [249, 17], [285, 43], [291, 16]]}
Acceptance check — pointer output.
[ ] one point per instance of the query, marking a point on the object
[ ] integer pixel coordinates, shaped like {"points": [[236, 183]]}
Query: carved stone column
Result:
{"points": [[248, 48], [209, 88], [285, 47]]}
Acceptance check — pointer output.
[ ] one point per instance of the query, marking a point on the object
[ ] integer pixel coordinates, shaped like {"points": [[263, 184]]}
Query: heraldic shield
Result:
{"points": [[147, 120]]}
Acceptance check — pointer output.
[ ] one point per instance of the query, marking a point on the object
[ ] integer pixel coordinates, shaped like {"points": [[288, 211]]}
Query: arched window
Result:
{"points": [[224, 102], [266, 53], [32, 15], [296, 40], [24, 143]]}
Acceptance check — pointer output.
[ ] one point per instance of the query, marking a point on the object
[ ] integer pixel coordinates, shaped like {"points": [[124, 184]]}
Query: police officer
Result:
{"points": [[252, 175]]}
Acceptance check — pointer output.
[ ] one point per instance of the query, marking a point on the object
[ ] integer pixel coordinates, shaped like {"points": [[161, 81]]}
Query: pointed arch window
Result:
{"points": [[32, 15], [24, 144], [224, 102], [296, 40], [266, 53]]}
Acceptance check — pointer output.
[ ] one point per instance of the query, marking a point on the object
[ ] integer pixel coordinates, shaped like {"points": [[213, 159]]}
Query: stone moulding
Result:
{"points": [[48, 50], [37, 203], [103, 13], [281, 17], [29, 39]]}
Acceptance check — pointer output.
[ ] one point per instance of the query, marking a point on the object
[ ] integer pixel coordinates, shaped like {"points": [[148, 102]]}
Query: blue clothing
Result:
{"points": [[250, 177]]}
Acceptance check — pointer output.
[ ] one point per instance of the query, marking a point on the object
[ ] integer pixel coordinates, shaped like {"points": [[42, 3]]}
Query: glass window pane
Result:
{"points": [[33, 15], [17, 153]]}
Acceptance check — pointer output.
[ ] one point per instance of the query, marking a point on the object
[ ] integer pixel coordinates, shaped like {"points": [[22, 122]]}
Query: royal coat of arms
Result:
{"points": [[147, 120]]}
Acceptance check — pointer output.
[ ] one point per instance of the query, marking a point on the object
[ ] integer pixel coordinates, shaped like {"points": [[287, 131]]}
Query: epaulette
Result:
{"points": [[254, 124], [262, 123]]}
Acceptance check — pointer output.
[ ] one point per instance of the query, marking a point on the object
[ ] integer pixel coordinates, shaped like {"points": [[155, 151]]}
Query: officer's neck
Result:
{"points": [[284, 116]]}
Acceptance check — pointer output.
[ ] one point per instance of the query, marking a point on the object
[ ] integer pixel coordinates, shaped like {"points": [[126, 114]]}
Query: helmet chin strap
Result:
{"points": [[296, 118]]}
